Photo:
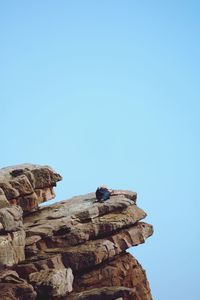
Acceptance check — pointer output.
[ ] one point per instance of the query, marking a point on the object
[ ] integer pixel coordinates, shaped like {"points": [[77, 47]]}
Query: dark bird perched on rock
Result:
{"points": [[102, 193]]}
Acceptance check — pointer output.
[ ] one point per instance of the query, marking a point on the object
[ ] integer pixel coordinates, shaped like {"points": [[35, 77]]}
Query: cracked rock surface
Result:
{"points": [[73, 249], [27, 185]]}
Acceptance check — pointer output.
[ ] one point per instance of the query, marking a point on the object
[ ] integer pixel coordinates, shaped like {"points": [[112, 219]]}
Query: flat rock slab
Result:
{"points": [[83, 209], [71, 231]]}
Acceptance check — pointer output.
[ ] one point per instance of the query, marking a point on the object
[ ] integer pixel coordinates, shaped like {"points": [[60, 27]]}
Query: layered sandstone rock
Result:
{"points": [[74, 249], [124, 270], [27, 185], [104, 293]]}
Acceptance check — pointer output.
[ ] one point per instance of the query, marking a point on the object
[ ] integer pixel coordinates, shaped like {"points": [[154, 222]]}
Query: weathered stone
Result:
{"points": [[124, 270], [9, 191], [79, 239], [11, 218], [103, 293], [128, 194], [67, 231], [83, 208], [22, 185], [12, 287], [27, 185], [28, 202], [3, 200], [97, 251], [38, 263], [45, 194], [80, 209], [45, 177], [12, 248], [86, 235], [39, 176], [52, 283]]}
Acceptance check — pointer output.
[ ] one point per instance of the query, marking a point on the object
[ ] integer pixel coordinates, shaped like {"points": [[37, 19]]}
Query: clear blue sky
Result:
{"points": [[108, 92]]}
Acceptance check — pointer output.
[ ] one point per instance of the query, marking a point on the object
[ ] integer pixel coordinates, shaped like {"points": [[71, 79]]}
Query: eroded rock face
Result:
{"points": [[124, 270], [22, 188], [27, 185], [91, 238], [104, 293], [12, 248], [74, 249], [52, 282], [14, 288], [11, 218], [3, 200]]}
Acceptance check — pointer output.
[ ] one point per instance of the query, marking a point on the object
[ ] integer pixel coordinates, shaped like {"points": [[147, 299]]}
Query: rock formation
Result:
{"points": [[27, 185], [74, 249]]}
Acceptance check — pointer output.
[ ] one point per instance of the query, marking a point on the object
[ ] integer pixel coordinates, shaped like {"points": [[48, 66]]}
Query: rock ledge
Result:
{"points": [[74, 249]]}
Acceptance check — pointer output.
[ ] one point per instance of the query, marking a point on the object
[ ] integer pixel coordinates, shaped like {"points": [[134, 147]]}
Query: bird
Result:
{"points": [[102, 193]]}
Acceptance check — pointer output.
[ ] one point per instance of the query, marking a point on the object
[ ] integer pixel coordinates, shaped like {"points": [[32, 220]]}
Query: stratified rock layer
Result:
{"points": [[27, 185], [104, 293], [74, 249], [124, 270]]}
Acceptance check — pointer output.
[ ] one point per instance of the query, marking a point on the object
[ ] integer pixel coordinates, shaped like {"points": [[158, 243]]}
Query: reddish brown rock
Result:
{"points": [[27, 185], [11, 218], [75, 249], [12, 287], [12, 236], [104, 293], [3, 200], [84, 234], [70, 230], [95, 252], [22, 184], [38, 263], [128, 194], [12, 248], [124, 270], [52, 283]]}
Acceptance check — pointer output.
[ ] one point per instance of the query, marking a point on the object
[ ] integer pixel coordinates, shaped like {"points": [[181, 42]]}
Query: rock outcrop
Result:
{"points": [[27, 185], [74, 249]]}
